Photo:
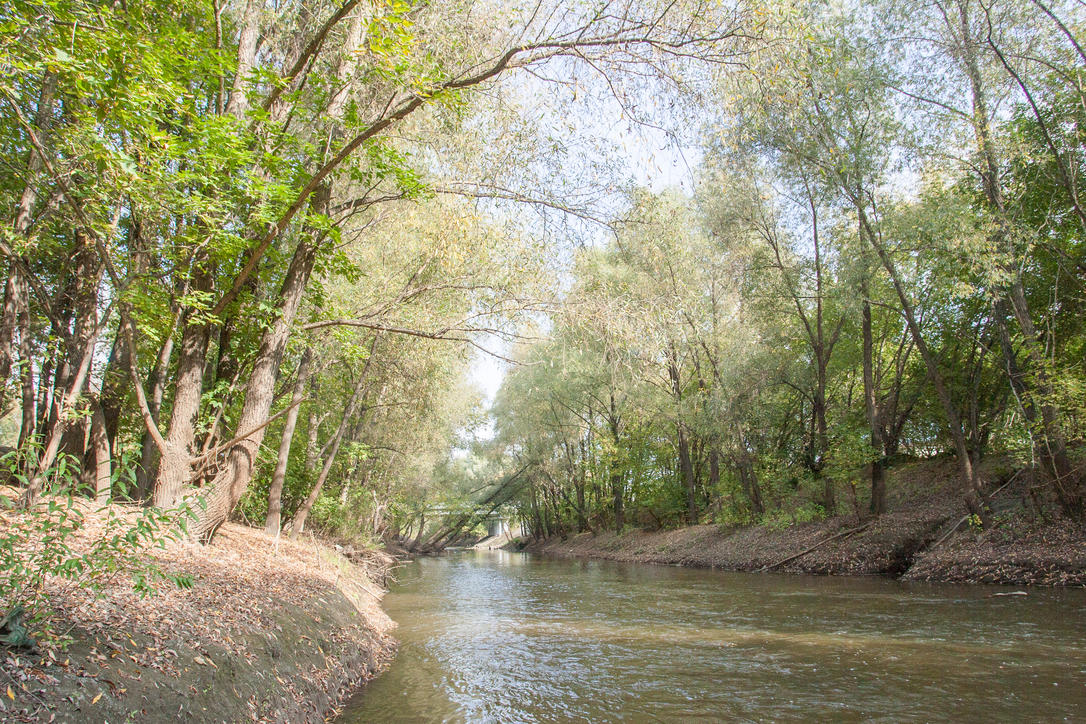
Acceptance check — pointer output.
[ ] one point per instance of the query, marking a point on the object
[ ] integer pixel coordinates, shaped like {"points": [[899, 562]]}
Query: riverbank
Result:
{"points": [[922, 538], [270, 631]]}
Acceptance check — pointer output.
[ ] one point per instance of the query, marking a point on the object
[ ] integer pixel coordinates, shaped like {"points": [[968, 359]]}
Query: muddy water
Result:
{"points": [[504, 637]]}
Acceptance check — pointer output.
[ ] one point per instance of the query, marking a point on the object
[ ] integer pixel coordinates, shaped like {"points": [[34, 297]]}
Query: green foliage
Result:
{"points": [[46, 549], [781, 518]]}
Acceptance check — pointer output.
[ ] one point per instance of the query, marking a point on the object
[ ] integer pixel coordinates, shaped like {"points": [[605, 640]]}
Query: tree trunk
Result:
{"points": [[313, 427], [115, 386], [86, 270], [972, 491], [44, 397], [230, 482], [579, 484], [714, 479], [878, 482], [59, 427], [616, 471], [175, 464], [147, 470], [686, 469], [418, 536], [101, 447], [818, 456], [15, 289], [246, 57], [279, 476], [9, 321], [349, 412], [1049, 438], [26, 373]]}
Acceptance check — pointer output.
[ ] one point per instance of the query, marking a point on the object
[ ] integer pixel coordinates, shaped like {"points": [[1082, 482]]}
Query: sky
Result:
{"points": [[602, 145], [655, 163]]}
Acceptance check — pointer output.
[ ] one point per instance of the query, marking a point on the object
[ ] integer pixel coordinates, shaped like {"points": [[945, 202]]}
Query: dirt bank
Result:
{"points": [[925, 539], [271, 631]]}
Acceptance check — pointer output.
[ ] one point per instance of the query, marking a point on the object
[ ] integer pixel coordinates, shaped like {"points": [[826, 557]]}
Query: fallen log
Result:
{"points": [[791, 558]]}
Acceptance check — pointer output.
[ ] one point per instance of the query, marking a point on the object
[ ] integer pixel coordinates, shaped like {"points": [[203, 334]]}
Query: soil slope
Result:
{"points": [[923, 537], [273, 631]]}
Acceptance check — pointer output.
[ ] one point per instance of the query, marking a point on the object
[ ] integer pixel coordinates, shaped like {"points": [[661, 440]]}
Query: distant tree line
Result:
{"points": [[884, 258]]}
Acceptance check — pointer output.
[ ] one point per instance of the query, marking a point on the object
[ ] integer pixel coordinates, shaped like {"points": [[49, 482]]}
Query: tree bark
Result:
{"points": [[686, 469], [349, 412], [26, 373], [279, 476], [616, 470], [147, 470], [230, 482], [100, 444], [878, 481], [246, 58], [175, 464], [971, 489]]}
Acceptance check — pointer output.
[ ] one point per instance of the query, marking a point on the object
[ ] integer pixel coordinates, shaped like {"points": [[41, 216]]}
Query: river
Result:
{"points": [[491, 636]]}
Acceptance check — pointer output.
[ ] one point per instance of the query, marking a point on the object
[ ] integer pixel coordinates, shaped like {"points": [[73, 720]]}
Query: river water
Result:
{"points": [[506, 637]]}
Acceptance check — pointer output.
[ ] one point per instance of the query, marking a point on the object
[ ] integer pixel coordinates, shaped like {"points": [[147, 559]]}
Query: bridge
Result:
{"points": [[498, 522]]}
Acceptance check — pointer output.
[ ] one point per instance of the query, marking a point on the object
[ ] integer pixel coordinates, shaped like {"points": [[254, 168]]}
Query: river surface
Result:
{"points": [[507, 637]]}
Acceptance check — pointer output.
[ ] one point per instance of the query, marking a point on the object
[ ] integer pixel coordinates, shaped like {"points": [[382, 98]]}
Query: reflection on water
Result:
{"points": [[504, 637]]}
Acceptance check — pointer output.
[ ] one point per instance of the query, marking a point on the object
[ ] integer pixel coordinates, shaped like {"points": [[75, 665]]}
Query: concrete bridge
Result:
{"points": [[498, 523]]}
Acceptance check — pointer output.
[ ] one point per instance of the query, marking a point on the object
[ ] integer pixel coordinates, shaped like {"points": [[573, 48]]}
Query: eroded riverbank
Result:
{"points": [[924, 537], [274, 631], [895, 546]]}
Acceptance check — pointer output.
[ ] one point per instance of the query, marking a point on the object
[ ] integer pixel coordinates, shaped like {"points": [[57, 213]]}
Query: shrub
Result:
{"points": [[41, 555]]}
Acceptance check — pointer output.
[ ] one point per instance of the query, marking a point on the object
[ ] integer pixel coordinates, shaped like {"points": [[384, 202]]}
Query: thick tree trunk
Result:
{"points": [[230, 482], [100, 445], [246, 57], [175, 464]]}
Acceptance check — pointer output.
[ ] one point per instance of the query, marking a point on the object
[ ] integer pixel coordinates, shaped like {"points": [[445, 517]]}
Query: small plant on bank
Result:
{"points": [[975, 523], [43, 556]]}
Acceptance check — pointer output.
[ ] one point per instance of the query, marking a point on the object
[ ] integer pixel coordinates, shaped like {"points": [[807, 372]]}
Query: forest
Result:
{"points": [[254, 249]]}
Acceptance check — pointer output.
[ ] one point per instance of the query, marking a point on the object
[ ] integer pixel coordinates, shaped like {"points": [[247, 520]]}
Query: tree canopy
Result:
{"points": [[253, 250]]}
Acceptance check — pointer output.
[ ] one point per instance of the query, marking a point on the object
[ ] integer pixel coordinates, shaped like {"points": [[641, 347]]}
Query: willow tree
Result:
{"points": [[226, 144]]}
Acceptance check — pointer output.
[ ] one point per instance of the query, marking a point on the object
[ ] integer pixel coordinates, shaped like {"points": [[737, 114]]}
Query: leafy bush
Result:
{"points": [[41, 555], [780, 519]]}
